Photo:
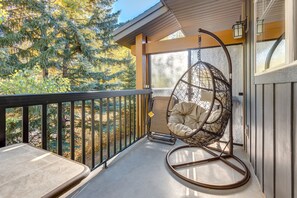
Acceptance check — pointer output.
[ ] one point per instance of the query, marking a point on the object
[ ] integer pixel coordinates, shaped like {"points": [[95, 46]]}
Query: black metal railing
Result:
{"points": [[89, 127]]}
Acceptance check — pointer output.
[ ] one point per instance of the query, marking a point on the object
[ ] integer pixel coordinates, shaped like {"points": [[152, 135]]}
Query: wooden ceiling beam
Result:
{"points": [[189, 42], [272, 31]]}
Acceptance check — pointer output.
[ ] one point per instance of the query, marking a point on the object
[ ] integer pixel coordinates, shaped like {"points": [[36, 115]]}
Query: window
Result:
{"points": [[166, 70], [270, 27]]}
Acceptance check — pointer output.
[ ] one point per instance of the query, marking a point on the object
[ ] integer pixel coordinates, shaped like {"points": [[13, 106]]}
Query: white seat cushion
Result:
{"points": [[186, 118]]}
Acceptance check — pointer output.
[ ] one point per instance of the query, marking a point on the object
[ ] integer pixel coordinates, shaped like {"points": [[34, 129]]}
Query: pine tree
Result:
{"points": [[79, 47], [128, 77], [97, 26], [103, 22]]}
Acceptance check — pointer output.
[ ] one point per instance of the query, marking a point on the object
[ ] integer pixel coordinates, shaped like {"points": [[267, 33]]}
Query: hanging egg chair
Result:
{"points": [[201, 116]]}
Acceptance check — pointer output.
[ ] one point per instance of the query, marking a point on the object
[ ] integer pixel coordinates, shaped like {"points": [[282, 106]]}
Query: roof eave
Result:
{"points": [[141, 20]]}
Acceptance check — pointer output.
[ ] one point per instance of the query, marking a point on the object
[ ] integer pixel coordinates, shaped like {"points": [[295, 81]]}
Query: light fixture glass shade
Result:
{"points": [[237, 30], [260, 26]]}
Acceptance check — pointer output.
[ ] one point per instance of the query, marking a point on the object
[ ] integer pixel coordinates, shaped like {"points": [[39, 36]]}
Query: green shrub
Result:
{"points": [[32, 82]]}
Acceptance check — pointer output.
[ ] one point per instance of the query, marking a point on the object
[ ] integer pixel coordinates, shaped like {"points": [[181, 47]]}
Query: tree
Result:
{"points": [[27, 82], [3, 13], [41, 34], [31, 35], [51, 46], [128, 77]]}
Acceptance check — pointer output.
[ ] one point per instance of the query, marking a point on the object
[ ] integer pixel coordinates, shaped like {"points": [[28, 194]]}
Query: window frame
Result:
{"points": [[288, 72], [289, 29], [291, 38]]}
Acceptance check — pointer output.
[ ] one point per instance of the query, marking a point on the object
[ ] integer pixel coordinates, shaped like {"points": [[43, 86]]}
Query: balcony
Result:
{"points": [[104, 130]]}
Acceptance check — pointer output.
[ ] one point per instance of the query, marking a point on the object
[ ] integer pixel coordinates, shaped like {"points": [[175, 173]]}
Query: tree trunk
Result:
{"points": [[45, 73], [66, 60]]}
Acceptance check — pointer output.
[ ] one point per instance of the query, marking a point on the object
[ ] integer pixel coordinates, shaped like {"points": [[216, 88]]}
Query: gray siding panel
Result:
{"points": [[295, 138], [283, 161], [268, 140], [253, 128], [259, 133]]}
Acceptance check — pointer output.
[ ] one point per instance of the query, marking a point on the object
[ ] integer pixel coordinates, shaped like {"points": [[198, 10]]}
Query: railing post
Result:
{"points": [[114, 127], [101, 130], [147, 100], [120, 107], [134, 117], [83, 130], [93, 131], [108, 128], [2, 127], [125, 120], [142, 111], [26, 124], [141, 115], [138, 118], [72, 134], [130, 121], [59, 137], [44, 127]]}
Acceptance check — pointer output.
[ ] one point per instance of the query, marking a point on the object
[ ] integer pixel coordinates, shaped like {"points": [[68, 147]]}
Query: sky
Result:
{"points": [[132, 8]]}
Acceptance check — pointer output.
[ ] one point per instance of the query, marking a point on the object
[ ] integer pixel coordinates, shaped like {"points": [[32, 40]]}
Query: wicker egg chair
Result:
{"points": [[201, 117]]}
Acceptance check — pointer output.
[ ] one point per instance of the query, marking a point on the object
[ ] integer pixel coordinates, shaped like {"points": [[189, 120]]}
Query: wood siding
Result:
{"points": [[295, 138], [273, 137], [272, 127], [268, 157], [283, 160], [259, 133], [253, 128]]}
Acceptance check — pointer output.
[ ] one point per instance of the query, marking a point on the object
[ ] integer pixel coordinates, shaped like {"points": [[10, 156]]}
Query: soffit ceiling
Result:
{"points": [[186, 15], [212, 15]]}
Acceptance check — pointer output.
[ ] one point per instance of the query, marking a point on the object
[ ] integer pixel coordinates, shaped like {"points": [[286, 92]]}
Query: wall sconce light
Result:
{"points": [[260, 23], [238, 28]]}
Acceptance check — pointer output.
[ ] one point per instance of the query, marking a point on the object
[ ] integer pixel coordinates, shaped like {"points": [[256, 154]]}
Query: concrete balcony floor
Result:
{"points": [[141, 172]]}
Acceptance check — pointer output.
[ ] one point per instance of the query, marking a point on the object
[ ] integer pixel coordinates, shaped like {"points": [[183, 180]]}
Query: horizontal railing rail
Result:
{"points": [[89, 127], [36, 99]]}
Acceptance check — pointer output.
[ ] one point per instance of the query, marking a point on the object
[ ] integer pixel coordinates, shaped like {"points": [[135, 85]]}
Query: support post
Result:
{"points": [[141, 77], [141, 62]]}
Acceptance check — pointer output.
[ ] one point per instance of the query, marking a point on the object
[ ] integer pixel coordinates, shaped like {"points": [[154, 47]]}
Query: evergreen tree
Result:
{"points": [[98, 29], [38, 33], [30, 34], [128, 77], [103, 22]]}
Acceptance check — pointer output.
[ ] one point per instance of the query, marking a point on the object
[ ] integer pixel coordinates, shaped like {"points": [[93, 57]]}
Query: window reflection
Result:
{"points": [[166, 70], [270, 42]]}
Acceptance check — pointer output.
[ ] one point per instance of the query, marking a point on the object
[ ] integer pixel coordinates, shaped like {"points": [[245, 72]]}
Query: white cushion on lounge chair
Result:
{"points": [[186, 117]]}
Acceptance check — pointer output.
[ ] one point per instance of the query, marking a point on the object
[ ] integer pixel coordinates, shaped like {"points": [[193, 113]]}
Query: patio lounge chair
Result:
{"points": [[200, 119]]}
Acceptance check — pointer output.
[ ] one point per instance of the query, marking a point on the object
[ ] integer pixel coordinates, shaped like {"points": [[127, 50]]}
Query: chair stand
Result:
{"points": [[161, 138], [233, 163]]}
